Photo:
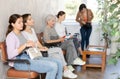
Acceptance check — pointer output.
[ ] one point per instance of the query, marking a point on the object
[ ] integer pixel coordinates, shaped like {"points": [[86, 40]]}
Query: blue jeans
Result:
{"points": [[85, 35], [52, 67]]}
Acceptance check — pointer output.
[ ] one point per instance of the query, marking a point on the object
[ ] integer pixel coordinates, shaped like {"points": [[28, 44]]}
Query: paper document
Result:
{"points": [[96, 49]]}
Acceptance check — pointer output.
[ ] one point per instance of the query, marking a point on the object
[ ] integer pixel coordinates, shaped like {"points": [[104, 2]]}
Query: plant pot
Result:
{"points": [[113, 47]]}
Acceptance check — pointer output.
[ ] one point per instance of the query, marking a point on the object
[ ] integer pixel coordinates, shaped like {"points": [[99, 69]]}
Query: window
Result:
{"points": [[93, 5], [71, 8]]}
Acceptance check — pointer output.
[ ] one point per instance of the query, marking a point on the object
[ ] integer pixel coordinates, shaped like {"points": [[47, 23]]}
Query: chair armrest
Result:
{"points": [[55, 44], [19, 61]]}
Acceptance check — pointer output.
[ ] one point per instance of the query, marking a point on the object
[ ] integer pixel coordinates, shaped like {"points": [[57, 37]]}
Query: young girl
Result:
{"points": [[30, 34], [16, 46]]}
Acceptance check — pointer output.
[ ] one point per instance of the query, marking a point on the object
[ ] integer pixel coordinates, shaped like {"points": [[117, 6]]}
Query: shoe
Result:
{"points": [[78, 61], [88, 56], [80, 56], [69, 74], [70, 68]]}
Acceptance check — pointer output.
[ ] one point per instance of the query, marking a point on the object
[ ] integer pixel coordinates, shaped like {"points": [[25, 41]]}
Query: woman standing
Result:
{"points": [[16, 46], [84, 17]]}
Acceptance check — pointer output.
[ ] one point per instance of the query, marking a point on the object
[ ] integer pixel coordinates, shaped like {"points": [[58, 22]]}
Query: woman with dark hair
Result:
{"points": [[29, 32], [61, 31], [16, 46], [84, 17]]}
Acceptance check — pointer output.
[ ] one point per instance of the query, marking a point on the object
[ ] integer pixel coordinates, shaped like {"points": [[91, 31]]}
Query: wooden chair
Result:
{"points": [[40, 37], [12, 72]]}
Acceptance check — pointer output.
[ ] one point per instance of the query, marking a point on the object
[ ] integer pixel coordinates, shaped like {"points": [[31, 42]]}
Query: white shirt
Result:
{"points": [[30, 36], [60, 29]]}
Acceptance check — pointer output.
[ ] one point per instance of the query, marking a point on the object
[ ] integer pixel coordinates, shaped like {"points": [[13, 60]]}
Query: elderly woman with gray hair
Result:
{"points": [[51, 36]]}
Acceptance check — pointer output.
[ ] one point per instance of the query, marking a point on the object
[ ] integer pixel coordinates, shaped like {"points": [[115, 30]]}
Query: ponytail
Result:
{"points": [[60, 13], [10, 28], [12, 19]]}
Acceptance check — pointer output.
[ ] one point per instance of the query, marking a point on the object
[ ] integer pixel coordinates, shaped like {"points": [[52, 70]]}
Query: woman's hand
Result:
{"points": [[71, 36], [62, 39], [43, 48], [83, 22], [30, 43]]}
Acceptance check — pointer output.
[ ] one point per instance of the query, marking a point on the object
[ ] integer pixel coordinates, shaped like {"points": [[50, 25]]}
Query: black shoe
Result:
{"points": [[80, 56], [88, 56]]}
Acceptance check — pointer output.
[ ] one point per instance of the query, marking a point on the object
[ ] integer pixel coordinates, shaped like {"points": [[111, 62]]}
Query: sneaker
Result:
{"points": [[78, 61], [69, 74], [71, 68]]}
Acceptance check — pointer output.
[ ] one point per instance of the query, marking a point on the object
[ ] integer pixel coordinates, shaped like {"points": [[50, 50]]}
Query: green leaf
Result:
{"points": [[117, 54], [118, 2], [112, 7], [113, 32], [117, 33], [118, 40], [112, 60], [115, 25]]}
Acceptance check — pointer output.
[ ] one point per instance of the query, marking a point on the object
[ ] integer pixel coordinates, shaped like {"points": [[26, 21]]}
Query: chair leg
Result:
{"points": [[43, 75], [35, 78], [38, 77]]}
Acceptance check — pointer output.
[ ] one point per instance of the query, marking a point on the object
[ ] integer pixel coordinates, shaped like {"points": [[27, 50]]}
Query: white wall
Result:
{"points": [[38, 8], [95, 38]]}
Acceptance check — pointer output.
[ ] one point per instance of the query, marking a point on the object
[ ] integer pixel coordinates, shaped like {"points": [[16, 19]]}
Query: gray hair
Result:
{"points": [[50, 17]]}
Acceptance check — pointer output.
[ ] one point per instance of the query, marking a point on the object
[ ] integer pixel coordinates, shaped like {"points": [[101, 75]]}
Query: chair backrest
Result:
{"points": [[4, 56], [40, 37]]}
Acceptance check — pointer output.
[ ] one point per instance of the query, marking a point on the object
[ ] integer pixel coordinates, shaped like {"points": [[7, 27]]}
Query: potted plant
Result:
{"points": [[109, 14]]}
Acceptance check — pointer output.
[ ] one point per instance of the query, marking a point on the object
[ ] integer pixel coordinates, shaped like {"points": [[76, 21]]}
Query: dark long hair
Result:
{"points": [[82, 6], [12, 19], [60, 13], [25, 18]]}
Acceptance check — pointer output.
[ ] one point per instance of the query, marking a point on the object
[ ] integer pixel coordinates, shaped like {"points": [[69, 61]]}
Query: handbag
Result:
{"points": [[44, 53], [34, 53]]}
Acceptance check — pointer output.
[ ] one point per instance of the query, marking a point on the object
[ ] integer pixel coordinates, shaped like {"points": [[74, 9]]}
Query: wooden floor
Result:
{"points": [[111, 71]]}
